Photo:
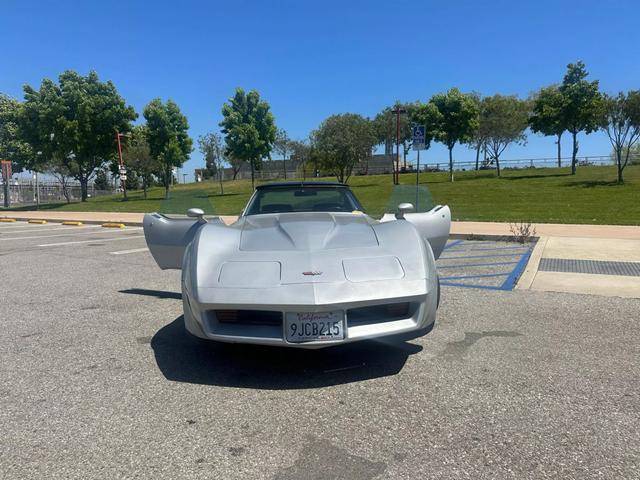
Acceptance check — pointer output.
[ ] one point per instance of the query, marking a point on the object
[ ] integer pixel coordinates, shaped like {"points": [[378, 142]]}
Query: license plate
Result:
{"points": [[309, 326]]}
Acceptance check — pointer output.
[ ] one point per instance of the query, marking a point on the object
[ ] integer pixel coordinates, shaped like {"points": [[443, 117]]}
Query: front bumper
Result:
{"points": [[202, 322]]}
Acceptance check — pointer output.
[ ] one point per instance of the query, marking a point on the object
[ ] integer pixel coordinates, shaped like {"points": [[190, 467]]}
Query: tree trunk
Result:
{"points": [[620, 166], [559, 151], [574, 154], [84, 180], [221, 187], [404, 156], [5, 185], [167, 182], [478, 155], [284, 165], [498, 165], [253, 182], [451, 164]]}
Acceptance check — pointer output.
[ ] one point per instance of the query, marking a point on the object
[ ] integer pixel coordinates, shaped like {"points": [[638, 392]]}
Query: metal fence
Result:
{"points": [[386, 167], [23, 193]]}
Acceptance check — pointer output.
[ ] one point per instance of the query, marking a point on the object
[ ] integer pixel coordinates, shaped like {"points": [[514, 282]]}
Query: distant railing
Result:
{"points": [[22, 193]]}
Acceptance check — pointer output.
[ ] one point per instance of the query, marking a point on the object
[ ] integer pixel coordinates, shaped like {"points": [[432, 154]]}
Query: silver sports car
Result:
{"points": [[303, 266]]}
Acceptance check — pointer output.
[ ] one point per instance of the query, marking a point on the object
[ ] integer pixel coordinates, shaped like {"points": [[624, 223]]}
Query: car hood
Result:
{"points": [[311, 231]]}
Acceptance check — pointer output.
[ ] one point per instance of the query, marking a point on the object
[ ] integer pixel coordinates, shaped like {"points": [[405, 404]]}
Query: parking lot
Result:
{"points": [[100, 380]]}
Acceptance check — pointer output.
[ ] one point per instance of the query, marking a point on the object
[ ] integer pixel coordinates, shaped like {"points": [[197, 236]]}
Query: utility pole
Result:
{"points": [[396, 173]]}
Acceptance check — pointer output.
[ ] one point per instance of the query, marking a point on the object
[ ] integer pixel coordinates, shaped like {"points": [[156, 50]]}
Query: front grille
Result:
{"points": [[388, 312], [249, 317]]}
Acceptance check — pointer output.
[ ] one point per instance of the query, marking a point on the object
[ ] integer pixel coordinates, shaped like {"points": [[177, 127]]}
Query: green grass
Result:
{"points": [[548, 195]]}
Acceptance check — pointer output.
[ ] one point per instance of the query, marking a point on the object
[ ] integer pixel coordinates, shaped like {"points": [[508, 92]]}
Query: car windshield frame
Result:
{"points": [[350, 203]]}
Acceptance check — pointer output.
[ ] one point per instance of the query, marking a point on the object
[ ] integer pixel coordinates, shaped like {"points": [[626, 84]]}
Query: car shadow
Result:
{"points": [[184, 358]]}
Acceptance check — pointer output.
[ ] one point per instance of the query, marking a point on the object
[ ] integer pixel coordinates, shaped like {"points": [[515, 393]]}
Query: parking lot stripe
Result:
{"points": [[133, 250], [476, 276], [453, 244], [497, 248], [53, 229], [483, 256], [464, 265], [469, 285], [510, 281], [92, 241], [70, 234]]}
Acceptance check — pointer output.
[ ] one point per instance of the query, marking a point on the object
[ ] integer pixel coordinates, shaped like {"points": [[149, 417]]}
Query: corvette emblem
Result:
{"points": [[312, 273]]}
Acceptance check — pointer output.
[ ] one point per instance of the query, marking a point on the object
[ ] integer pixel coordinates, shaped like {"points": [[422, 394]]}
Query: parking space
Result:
{"points": [[489, 265], [20, 236], [100, 379]]}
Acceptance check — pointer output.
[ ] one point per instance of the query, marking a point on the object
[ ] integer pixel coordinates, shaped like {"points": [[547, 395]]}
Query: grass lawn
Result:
{"points": [[548, 195]]}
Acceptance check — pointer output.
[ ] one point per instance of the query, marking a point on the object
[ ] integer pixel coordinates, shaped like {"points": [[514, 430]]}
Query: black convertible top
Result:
{"points": [[299, 184]]}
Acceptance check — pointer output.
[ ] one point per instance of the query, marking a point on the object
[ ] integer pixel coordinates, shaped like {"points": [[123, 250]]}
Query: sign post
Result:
{"points": [[418, 135]]}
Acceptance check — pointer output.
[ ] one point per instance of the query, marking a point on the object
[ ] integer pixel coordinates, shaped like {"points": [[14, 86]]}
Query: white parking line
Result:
{"points": [[96, 240], [70, 228], [133, 250], [70, 234]]}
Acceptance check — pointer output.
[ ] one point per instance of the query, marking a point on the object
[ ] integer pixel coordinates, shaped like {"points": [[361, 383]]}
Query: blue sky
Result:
{"points": [[313, 59]]}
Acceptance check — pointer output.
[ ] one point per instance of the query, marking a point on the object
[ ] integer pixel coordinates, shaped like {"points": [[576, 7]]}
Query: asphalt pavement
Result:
{"points": [[100, 380]]}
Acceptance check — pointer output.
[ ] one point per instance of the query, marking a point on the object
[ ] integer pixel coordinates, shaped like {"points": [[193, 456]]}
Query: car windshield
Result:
{"points": [[301, 198]]}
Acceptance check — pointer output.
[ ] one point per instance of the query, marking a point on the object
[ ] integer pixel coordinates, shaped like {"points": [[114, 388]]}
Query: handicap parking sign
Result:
{"points": [[418, 134]]}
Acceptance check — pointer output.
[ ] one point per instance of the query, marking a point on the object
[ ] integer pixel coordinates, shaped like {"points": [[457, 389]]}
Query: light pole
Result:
{"points": [[122, 169]]}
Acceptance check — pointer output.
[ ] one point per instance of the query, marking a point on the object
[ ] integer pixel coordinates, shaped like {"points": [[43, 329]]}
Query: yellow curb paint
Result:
{"points": [[71, 222], [39, 222], [113, 225], [7, 220]]}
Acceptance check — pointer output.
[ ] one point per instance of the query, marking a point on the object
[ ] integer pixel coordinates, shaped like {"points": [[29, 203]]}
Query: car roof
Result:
{"points": [[299, 184]]}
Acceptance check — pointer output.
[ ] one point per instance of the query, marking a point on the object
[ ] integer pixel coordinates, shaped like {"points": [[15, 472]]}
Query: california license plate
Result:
{"points": [[310, 326]]}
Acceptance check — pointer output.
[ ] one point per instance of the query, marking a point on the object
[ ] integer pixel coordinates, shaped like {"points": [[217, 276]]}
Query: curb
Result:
{"points": [[85, 222]]}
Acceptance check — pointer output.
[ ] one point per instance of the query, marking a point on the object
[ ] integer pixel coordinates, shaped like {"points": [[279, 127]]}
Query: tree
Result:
{"points": [[503, 121], [75, 122], [169, 142], [138, 159], [101, 182], [212, 147], [547, 115], [303, 154], [249, 128], [282, 146], [12, 145], [477, 140], [458, 119], [342, 141], [582, 105], [621, 122]]}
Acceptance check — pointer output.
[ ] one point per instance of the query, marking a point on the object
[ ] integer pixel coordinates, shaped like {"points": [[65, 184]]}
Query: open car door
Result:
{"points": [[167, 238], [434, 226]]}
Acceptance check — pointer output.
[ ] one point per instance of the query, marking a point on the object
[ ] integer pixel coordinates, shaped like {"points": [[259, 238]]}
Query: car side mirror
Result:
{"points": [[196, 213], [404, 208]]}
